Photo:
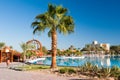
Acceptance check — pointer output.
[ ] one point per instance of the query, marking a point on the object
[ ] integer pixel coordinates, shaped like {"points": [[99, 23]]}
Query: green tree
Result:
{"points": [[2, 44], [30, 53], [26, 53], [115, 49], [71, 47], [44, 50], [54, 19], [11, 47], [59, 53], [24, 47]]}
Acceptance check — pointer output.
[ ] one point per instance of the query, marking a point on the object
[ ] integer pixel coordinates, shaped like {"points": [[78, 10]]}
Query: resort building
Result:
{"points": [[105, 46], [7, 52], [97, 47]]}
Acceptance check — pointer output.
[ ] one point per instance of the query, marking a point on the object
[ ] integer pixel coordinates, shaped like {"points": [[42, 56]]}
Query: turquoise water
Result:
{"points": [[100, 61]]}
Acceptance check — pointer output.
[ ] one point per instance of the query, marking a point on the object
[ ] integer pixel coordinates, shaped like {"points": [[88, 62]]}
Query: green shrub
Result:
{"points": [[105, 72], [95, 68], [89, 66], [71, 70], [63, 70], [67, 70], [115, 71], [83, 69]]}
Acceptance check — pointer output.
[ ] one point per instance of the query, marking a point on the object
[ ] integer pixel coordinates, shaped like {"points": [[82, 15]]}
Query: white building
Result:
{"points": [[105, 46]]}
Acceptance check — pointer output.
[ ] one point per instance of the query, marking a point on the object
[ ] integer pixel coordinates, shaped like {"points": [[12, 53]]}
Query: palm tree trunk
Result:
{"points": [[54, 49]]}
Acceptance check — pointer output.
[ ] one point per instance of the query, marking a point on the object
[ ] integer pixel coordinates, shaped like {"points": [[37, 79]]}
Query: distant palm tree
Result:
{"points": [[71, 47], [115, 49], [2, 44], [55, 19], [44, 50], [11, 47], [24, 47]]}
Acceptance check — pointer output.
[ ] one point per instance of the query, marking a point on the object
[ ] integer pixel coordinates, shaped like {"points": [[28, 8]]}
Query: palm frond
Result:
{"points": [[66, 25], [61, 10], [49, 33], [39, 27], [55, 18], [34, 24], [51, 10]]}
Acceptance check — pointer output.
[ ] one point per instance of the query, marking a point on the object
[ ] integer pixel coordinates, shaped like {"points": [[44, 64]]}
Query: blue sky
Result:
{"points": [[94, 20]]}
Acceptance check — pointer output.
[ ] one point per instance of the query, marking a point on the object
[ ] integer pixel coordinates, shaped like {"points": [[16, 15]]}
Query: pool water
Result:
{"points": [[99, 61]]}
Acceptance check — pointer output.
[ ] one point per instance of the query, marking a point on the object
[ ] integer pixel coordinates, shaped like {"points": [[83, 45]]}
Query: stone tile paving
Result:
{"points": [[8, 74]]}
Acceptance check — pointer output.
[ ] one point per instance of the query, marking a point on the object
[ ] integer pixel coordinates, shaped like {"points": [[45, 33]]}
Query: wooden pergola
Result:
{"points": [[6, 52], [38, 52]]}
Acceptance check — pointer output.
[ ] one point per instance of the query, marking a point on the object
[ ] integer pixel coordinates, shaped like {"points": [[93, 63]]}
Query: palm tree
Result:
{"points": [[54, 19], [24, 47], [44, 50], [2, 44], [71, 47], [115, 49]]}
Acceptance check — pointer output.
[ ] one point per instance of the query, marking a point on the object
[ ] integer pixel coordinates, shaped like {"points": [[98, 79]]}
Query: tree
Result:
{"points": [[115, 49], [44, 50], [11, 47], [93, 48], [30, 53], [26, 53], [54, 19], [2, 44], [24, 47], [71, 47]]}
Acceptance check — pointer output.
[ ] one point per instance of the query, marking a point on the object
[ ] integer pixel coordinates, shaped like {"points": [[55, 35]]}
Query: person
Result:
{"points": [[7, 61]]}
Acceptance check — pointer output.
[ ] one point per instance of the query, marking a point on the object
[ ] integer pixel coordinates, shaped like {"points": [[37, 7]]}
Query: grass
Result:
{"points": [[32, 67], [89, 71], [37, 67]]}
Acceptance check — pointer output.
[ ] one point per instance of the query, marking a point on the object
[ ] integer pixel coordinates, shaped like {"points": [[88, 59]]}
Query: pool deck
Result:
{"points": [[9, 74]]}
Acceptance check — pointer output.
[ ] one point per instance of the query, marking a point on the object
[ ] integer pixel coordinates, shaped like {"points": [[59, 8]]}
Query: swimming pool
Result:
{"points": [[100, 61]]}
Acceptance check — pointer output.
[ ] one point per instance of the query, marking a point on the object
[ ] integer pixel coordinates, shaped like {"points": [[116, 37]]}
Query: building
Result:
{"points": [[105, 46], [96, 46], [7, 52]]}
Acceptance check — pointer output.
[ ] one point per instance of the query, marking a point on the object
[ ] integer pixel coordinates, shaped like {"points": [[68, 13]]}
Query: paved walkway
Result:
{"points": [[8, 74]]}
